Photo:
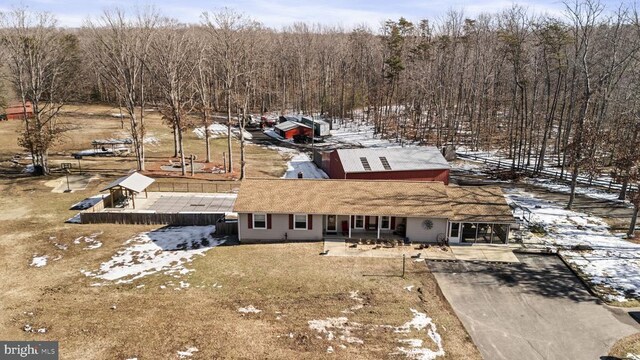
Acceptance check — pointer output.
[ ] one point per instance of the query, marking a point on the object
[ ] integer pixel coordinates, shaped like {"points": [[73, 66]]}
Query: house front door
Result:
{"points": [[332, 224]]}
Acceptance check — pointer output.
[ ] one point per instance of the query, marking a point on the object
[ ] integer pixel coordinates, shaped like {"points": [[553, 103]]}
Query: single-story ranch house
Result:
{"points": [[313, 209]]}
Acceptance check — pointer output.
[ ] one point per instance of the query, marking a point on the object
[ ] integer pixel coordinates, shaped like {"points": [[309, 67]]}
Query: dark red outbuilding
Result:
{"points": [[417, 163]]}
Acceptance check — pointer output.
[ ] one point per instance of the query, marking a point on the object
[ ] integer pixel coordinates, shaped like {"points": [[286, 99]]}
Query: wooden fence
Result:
{"points": [[224, 228], [183, 219], [609, 185]]}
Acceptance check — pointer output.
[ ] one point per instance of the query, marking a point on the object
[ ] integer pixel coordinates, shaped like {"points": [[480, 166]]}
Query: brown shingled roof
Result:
{"points": [[374, 197], [344, 197], [479, 204]]}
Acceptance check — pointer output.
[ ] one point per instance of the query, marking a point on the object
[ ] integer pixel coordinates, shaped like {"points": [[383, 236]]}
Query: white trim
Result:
{"points": [[388, 222], [306, 222], [253, 221], [355, 222]]}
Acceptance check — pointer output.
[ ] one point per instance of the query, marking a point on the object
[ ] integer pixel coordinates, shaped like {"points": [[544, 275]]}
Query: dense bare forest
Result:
{"points": [[534, 86]]}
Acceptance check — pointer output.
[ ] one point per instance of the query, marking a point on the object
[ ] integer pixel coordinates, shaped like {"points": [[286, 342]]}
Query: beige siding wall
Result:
{"points": [[279, 227], [416, 233]]}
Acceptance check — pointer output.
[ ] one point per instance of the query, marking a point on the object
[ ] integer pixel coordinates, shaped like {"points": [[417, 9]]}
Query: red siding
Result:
{"points": [[419, 175], [15, 111], [336, 171], [300, 130]]}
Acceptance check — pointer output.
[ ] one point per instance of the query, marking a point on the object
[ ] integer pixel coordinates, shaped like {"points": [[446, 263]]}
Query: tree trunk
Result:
{"points": [[623, 189], [183, 166], [230, 166], [634, 218], [175, 141]]}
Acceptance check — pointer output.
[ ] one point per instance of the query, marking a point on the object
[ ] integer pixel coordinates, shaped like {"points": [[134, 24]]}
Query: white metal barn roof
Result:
{"points": [[392, 159], [135, 182], [288, 125]]}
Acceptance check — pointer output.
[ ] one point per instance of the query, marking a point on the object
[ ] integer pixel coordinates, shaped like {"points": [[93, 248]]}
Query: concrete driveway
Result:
{"points": [[535, 309]]}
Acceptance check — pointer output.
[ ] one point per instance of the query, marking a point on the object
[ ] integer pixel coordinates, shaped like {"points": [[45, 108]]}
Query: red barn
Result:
{"points": [[416, 163], [289, 129], [15, 111]]}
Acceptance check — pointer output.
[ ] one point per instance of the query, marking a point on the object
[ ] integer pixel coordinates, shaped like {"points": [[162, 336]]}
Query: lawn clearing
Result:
{"points": [[280, 287]]}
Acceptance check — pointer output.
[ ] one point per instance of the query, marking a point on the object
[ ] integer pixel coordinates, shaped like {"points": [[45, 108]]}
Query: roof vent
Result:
{"points": [[365, 163], [385, 163]]}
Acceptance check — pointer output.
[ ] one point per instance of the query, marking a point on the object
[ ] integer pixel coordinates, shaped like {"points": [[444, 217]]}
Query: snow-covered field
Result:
{"points": [[360, 135], [566, 189], [217, 130], [165, 250], [613, 264]]}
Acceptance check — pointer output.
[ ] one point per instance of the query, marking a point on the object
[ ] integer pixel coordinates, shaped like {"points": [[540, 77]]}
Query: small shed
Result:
{"points": [[129, 186], [321, 127], [15, 111], [289, 129]]}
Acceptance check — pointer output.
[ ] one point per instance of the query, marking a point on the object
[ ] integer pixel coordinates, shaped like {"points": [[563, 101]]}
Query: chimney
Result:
{"points": [[300, 175]]}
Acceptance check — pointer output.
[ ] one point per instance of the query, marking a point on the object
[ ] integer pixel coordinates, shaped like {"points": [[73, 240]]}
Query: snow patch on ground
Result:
{"points": [[566, 189], [39, 261], [613, 264], [420, 338], [188, 352], [249, 310], [151, 140], [91, 241], [301, 163], [165, 250], [217, 130], [337, 328], [29, 169], [414, 348], [362, 135], [354, 296]]}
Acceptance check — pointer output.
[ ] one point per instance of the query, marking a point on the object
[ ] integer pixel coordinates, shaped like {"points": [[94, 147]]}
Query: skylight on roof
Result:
{"points": [[365, 163], [385, 163]]}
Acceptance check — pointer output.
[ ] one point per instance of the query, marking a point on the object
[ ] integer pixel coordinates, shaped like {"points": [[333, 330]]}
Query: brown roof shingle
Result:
{"points": [[374, 197], [479, 204], [344, 197]]}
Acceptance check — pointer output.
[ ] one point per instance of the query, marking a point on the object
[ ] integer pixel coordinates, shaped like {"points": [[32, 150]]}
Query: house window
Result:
{"points": [[300, 222], [359, 222], [455, 230], [259, 221], [385, 223]]}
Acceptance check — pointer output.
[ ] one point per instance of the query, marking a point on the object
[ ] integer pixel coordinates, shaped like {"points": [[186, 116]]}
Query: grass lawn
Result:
{"points": [[628, 345], [155, 317], [90, 122], [290, 283]]}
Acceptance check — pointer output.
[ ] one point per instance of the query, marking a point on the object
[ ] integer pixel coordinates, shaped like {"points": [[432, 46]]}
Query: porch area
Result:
{"points": [[364, 228]]}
